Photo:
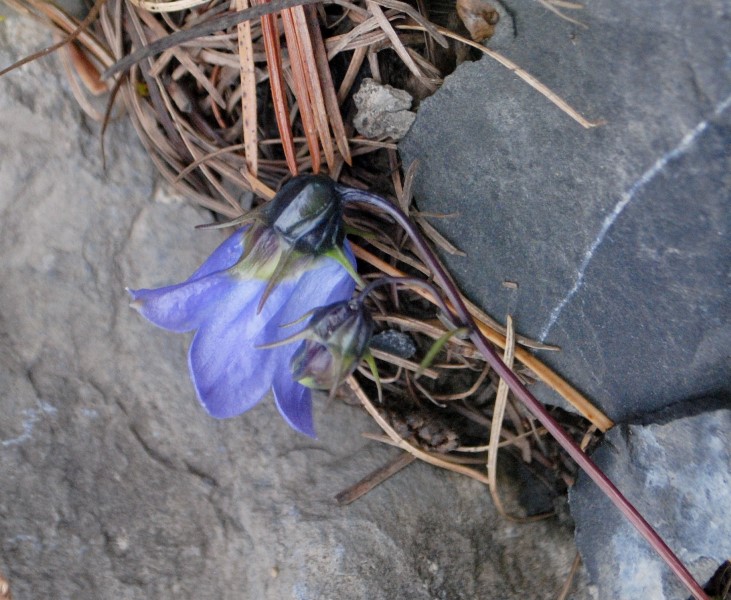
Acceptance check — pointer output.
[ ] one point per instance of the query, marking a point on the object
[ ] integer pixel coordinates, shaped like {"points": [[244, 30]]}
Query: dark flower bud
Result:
{"points": [[308, 213], [337, 339]]}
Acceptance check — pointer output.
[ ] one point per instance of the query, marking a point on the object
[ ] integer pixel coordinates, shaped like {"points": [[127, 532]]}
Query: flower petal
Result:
{"points": [[294, 402], [185, 306], [328, 282], [229, 372], [224, 257]]}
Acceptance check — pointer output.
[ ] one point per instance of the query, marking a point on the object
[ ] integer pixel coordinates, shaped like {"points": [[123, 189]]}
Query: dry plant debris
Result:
{"points": [[5, 589], [271, 96], [235, 109]]}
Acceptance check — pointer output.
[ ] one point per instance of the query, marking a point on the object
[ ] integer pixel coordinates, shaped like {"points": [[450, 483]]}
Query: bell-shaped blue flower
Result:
{"points": [[261, 278]]}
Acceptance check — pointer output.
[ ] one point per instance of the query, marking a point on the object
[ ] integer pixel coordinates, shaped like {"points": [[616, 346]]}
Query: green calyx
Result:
{"points": [[335, 341]]}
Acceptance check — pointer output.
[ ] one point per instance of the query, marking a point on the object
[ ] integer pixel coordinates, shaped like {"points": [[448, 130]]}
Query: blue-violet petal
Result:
{"points": [[229, 372], [185, 306], [295, 404], [224, 257]]}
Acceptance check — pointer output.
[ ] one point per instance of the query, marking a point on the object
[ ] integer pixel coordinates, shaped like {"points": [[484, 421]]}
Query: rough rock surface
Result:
{"points": [[679, 474], [115, 484], [383, 111], [617, 236]]}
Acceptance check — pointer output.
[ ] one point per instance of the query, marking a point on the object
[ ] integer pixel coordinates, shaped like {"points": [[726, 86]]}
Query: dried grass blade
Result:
{"points": [[431, 232], [81, 96], [568, 584], [328, 89], [428, 26], [410, 324], [468, 392], [276, 83], [400, 256], [299, 83], [314, 85], [172, 6], [403, 444], [423, 9], [192, 68], [207, 171], [394, 166], [79, 69], [214, 24], [88, 20], [406, 364], [162, 61], [165, 111], [182, 56], [356, 62], [497, 420], [195, 164], [162, 153], [259, 187], [430, 70], [408, 190], [248, 91], [358, 12], [376, 478], [338, 43], [155, 90], [510, 439], [398, 46], [552, 5], [65, 23], [524, 75]]}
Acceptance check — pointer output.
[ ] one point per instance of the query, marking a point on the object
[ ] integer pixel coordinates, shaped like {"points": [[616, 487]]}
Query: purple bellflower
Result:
{"points": [[289, 258]]}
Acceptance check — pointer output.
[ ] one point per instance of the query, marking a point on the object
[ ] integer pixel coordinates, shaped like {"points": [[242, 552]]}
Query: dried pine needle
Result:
{"points": [[522, 73], [501, 401]]}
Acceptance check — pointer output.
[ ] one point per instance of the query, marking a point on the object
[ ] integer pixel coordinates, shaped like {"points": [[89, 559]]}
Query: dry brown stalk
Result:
{"points": [[375, 478], [305, 104], [403, 444], [248, 91], [501, 400], [328, 89], [276, 81]]}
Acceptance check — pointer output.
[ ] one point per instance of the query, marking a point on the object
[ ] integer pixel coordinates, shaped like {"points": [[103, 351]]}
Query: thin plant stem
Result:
{"points": [[521, 392]]}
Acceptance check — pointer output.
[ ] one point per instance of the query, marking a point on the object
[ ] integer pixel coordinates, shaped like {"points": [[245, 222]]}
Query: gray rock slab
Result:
{"points": [[678, 474], [115, 484], [616, 236]]}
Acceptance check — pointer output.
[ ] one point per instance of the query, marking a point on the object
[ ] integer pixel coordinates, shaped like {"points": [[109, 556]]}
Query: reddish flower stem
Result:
{"points": [[525, 396]]}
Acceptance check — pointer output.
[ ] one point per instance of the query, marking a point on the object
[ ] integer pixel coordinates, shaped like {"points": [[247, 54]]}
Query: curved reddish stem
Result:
{"points": [[525, 396]]}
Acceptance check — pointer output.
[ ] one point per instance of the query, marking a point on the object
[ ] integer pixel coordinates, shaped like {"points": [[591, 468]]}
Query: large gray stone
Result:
{"points": [[115, 484], [678, 474], [617, 236]]}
